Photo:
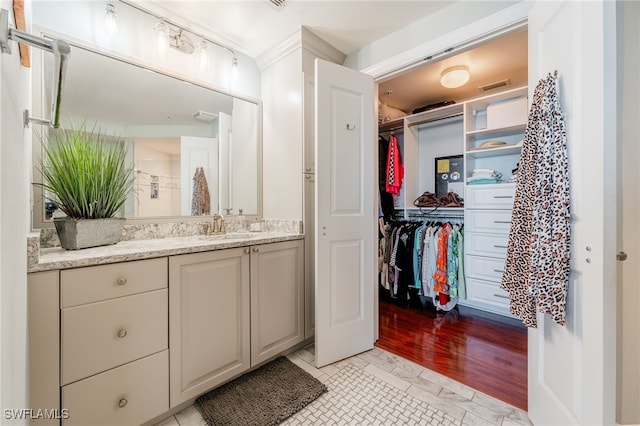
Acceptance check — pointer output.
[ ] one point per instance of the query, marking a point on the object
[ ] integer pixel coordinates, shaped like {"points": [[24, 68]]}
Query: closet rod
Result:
{"points": [[431, 120]]}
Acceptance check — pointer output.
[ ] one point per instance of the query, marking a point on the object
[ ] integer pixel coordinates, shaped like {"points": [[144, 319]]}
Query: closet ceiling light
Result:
{"points": [[454, 77]]}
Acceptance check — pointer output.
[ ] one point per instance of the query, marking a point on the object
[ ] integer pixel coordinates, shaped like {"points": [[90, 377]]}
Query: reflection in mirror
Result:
{"points": [[172, 128]]}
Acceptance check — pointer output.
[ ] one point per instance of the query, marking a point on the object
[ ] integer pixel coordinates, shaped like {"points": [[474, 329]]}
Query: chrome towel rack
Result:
{"points": [[60, 50]]}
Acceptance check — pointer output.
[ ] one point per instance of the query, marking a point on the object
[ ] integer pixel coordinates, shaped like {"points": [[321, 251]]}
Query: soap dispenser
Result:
{"points": [[242, 221]]}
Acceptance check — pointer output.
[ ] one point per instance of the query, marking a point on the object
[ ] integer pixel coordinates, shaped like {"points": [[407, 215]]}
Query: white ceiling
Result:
{"points": [[254, 26]]}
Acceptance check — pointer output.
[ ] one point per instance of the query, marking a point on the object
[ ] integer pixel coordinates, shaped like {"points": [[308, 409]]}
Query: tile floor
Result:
{"points": [[379, 388]]}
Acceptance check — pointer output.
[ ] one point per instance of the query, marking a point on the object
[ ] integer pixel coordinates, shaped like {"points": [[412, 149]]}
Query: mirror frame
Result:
{"points": [[38, 220]]}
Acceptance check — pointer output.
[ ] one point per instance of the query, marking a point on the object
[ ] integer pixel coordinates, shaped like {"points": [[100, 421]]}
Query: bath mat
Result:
{"points": [[263, 397]]}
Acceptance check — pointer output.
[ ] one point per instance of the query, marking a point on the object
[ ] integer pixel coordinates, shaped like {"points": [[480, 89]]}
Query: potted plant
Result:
{"points": [[86, 178]]}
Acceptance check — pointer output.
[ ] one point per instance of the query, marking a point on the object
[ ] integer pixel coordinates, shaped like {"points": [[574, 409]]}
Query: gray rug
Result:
{"points": [[263, 397]]}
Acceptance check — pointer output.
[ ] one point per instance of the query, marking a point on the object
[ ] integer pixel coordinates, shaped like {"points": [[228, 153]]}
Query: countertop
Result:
{"points": [[58, 258]]}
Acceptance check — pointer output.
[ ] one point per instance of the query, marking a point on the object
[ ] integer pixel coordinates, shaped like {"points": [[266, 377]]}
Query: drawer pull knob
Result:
{"points": [[121, 281], [501, 221], [247, 251], [503, 196], [123, 402], [498, 271], [256, 249], [122, 333], [501, 296], [497, 246]]}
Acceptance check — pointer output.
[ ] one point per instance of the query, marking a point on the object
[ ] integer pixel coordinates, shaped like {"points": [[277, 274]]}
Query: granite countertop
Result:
{"points": [[58, 258]]}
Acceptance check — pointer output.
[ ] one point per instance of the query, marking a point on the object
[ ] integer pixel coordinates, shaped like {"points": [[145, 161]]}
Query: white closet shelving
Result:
{"points": [[462, 129]]}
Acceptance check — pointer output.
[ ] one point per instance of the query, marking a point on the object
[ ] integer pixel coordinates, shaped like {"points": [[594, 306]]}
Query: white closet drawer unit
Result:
{"points": [[103, 335], [127, 395], [94, 283], [484, 268], [491, 245], [489, 221], [498, 196], [487, 293]]}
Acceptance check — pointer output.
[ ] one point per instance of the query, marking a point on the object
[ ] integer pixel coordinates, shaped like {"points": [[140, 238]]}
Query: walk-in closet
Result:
{"points": [[448, 163]]}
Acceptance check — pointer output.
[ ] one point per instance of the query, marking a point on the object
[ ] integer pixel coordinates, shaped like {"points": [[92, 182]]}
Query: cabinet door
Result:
{"points": [[277, 298], [208, 320]]}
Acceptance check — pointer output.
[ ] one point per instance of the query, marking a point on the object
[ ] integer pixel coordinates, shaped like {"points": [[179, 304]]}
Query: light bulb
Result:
{"points": [[203, 54], [162, 36], [110, 22], [234, 68]]}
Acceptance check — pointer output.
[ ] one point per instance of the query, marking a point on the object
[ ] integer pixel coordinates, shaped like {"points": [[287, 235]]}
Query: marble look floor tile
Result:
{"points": [[372, 359], [434, 401], [508, 411], [489, 416], [447, 383], [395, 397], [401, 362], [171, 421], [421, 382], [305, 355], [387, 377], [190, 416]]}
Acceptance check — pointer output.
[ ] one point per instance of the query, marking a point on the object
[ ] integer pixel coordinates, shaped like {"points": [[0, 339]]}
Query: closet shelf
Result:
{"points": [[495, 133], [493, 152]]}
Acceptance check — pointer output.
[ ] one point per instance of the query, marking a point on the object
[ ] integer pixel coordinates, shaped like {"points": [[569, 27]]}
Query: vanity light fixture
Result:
{"points": [[454, 77], [110, 21], [162, 36], [174, 35]]}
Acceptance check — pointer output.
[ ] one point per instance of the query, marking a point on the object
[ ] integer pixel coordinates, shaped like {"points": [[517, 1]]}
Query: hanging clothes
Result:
{"points": [[201, 200], [395, 169], [536, 272]]}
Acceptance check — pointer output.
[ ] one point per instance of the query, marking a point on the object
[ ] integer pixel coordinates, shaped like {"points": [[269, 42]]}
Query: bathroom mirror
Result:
{"points": [[172, 128]]}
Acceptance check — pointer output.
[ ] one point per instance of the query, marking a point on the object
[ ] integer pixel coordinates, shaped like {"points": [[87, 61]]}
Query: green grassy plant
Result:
{"points": [[85, 176]]}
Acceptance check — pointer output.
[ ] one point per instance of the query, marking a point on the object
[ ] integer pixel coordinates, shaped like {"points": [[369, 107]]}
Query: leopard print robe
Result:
{"points": [[536, 270]]}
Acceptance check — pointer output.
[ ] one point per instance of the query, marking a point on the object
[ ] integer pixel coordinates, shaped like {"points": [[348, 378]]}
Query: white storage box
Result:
{"points": [[510, 112]]}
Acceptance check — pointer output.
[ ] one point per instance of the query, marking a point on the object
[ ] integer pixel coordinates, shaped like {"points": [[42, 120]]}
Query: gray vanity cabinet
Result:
{"points": [[230, 310], [277, 298], [209, 320], [123, 343]]}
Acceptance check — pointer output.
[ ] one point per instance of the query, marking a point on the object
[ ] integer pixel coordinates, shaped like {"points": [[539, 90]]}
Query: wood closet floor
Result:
{"points": [[484, 354]]}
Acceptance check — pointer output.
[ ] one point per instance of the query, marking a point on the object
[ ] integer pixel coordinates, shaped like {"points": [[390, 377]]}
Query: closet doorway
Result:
{"points": [[440, 134]]}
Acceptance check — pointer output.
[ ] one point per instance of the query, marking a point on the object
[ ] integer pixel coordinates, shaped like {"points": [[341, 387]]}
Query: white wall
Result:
{"points": [[84, 22], [153, 162], [628, 409], [15, 92]]}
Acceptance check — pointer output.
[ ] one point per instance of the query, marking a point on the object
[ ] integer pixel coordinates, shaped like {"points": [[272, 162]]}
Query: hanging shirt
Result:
{"points": [[395, 169]]}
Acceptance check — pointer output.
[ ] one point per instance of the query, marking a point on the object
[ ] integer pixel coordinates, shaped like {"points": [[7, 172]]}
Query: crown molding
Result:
{"points": [[303, 38]]}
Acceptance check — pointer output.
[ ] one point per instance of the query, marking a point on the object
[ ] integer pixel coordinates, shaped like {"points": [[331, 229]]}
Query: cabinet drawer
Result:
{"points": [[127, 395], [491, 245], [95, 283], [498, 196], [489, 221], [103, 335], [487, 293], [486, 268]]}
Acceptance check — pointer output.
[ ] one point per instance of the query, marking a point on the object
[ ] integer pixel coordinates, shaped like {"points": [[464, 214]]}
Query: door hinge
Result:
{"points": [[621, 256]]}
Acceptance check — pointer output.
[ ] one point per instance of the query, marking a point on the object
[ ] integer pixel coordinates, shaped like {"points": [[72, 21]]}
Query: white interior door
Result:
{"points": [[198, 152], [572, 367], [345, 209]]}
